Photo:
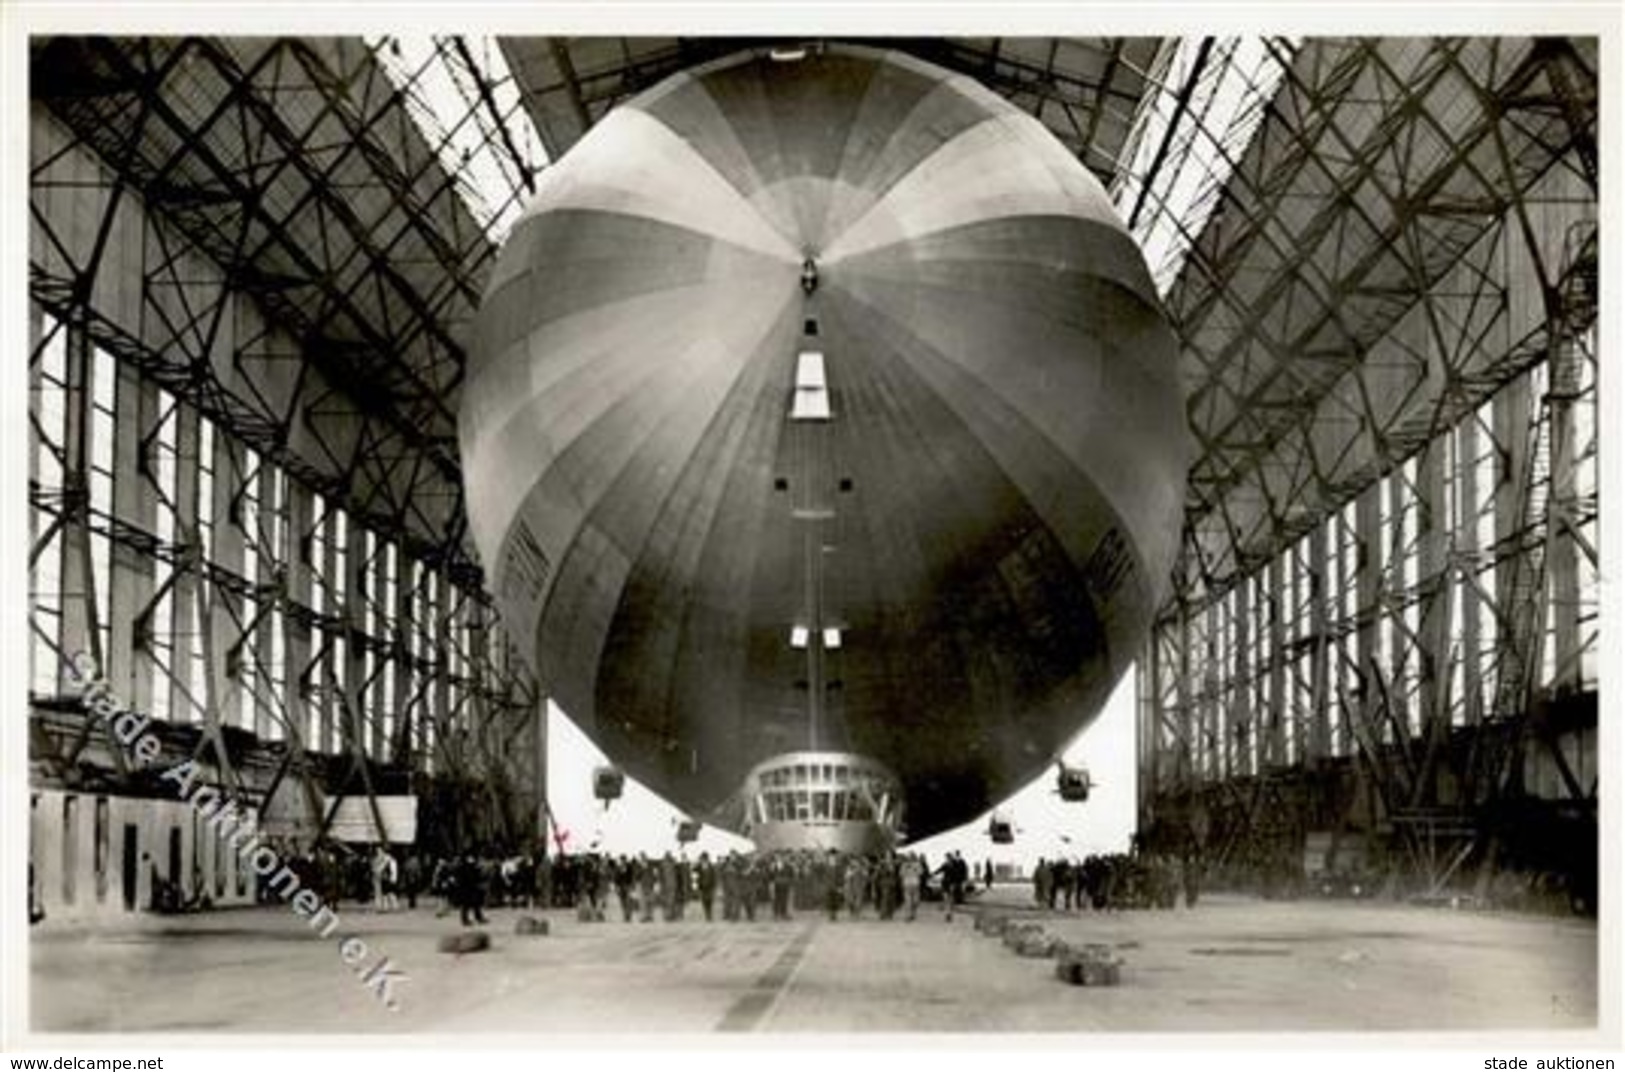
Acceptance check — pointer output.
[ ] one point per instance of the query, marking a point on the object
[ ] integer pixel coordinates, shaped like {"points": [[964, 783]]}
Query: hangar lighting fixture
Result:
{"points": [[798, 637], [832, 639]]}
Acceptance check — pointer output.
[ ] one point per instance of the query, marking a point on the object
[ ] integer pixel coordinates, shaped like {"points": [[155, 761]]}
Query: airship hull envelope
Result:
{"points": [[824, 407]]}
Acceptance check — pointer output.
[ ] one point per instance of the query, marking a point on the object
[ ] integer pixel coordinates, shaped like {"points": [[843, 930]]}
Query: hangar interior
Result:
{"points": [[253, 268]]}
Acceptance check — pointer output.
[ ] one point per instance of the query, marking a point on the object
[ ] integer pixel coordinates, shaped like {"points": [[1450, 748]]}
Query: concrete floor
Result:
{"points": [[1231, 964]]}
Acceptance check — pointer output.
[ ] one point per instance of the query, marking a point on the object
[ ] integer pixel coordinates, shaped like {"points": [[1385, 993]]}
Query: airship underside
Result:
{"points": [[823, 443]]}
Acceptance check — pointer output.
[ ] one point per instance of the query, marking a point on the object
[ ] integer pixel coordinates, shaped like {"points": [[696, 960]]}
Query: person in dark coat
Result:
{"points": [[911, 876], [685, 889], [885, 886], [730, 887], [955, 871], [468, 887], [412, 879], [827, 877], [626, 877], [544, 881], [668, 887], [780, 878], [705, 877], [1061, 883], [647, 876], [750, 886], [855, 885]]}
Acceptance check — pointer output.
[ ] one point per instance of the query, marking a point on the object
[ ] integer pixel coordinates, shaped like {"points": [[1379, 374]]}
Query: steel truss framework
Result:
{"points": [[1388, 353], [246, 510], [1387, 608], [292, 168]]}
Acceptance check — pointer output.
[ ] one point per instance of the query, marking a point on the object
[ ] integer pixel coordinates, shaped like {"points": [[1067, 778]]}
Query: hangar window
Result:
{"points": [[832, 638], [798, 636], [812, 390]]}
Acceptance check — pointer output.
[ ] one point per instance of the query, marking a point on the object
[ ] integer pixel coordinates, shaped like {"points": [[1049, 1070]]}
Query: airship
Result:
{"points": [[823, 444]]}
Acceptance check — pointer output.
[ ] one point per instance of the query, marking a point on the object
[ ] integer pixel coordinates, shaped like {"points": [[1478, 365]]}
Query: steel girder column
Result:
{"points": [[373, 696], [226, 607], [151, 501], [351, 693], [1397, 669], [1561, 551], [46, 454], [1363, 718], [351, 718], [262, 525], [1279, 708], [81, 618], [1165, 731], [129, 578], [1184, 736], [411, 676], [1241, 733], [437, 719], [1467, 553], [1434, 636], [1517, 567], [1209, 765], [298, 585], [1148, 684], [1319, 744], [186, 618]]}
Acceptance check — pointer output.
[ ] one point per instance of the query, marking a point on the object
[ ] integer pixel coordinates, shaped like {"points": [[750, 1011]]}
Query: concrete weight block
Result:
{"points": [[465, 942], [1037, 943], [1088, 965], [1016, 933], [530, 925]]}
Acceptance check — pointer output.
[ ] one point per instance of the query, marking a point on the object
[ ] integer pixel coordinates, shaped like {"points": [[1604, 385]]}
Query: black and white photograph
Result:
{"points": [[829, 529]]}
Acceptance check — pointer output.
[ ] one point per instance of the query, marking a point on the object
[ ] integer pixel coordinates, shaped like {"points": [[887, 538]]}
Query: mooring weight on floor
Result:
{"points": [[1088, 965], [1037, 943], [465, 942], [991, 923], [530, 925], [1013, 931]]}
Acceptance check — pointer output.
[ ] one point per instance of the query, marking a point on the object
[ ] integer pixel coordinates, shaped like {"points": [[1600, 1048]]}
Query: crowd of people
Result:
{"points": [[642, 887], [1115, 881], [733, 887]]}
